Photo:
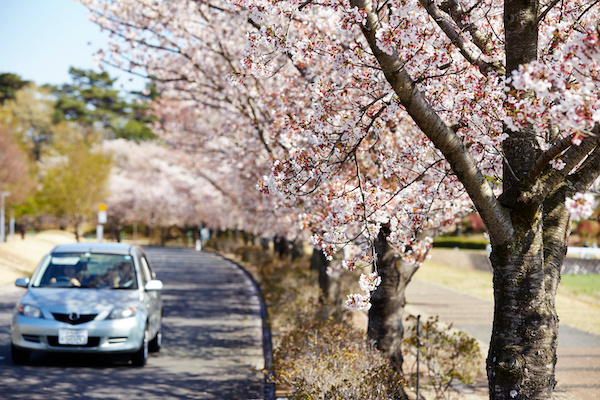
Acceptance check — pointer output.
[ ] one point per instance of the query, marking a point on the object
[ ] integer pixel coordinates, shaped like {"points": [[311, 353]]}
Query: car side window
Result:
{"points": [[146, 272]]}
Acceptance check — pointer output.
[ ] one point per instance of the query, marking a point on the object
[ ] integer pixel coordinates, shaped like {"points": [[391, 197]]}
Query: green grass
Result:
{"points": [[582, 285], [577, 301], [475, 241], [477, 283]]}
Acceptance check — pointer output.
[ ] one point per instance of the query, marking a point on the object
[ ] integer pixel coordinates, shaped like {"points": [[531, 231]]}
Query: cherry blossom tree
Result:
{"points": [[508, 95], [192, 53], [238, 126], [149, 186], [15, 175], [215, 150], [15, 169], [381, 122]]}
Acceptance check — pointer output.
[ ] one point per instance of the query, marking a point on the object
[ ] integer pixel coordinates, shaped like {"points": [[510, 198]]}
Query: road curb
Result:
{"points": [[269, 391]]}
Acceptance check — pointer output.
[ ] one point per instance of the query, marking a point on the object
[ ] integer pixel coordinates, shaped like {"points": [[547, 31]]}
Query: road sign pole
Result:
{"points": [[99, 232], [102, 219]]}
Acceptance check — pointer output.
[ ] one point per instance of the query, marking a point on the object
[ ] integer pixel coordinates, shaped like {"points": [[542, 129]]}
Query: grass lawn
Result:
{"points": [[577, 301], [582, 285]]}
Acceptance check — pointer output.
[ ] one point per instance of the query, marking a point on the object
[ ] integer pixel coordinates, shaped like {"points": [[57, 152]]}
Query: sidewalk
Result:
{"points": [[578, 366]]}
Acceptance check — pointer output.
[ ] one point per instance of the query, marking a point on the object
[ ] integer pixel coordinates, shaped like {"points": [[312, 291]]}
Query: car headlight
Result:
{"points": [[28, 310], [122, 312]]}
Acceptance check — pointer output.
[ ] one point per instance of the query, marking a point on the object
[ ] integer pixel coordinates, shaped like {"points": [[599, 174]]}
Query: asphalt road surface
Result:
{"points": [[212, 348]]}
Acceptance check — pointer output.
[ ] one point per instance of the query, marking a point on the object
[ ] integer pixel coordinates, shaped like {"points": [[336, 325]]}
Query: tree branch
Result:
{"points": [[548, 182], [496, 219], [458, 41], [587, 9], [455, 11], [587, 173], [300, 70], [542, 162], [547, 10]]}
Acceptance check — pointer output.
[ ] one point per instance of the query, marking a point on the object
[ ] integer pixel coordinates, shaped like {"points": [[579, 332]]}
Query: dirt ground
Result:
{"points": [[19, 257]]}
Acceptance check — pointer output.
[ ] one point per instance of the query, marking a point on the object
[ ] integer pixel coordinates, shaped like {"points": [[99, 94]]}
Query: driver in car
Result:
{"points": [[69, 275]]}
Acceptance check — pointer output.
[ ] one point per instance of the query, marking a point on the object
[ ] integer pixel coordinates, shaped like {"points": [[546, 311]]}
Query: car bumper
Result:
{"points": [[104, 336]]}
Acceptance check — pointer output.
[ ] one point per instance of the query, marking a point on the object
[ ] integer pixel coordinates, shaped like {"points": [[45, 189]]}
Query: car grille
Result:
{"points": [[74, 319], [93, 341]]}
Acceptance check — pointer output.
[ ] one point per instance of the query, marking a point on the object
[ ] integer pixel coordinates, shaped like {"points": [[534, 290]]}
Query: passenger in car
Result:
{"points": [[119, 276]]}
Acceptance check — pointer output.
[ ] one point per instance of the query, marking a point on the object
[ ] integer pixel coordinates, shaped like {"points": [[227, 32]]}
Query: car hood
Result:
{"points": [[82, 301]]}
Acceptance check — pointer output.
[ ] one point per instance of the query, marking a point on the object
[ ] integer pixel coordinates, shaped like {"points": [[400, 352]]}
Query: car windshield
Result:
{"points": [[87, 270]]}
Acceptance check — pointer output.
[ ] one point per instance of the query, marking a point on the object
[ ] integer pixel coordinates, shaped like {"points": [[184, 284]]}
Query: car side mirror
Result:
{"points": [[154, 285], [22, 282]]}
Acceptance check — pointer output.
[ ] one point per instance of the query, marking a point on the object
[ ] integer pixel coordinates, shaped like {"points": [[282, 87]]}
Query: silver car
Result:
{"points": [[89, 298]]}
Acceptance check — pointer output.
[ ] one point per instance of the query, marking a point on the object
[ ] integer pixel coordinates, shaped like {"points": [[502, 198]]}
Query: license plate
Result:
{"points": [[77, 337]]}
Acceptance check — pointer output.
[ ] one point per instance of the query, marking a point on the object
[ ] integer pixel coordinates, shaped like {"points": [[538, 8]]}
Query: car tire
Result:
{"points": [[19, 356], [140, 357], [156, 343]]}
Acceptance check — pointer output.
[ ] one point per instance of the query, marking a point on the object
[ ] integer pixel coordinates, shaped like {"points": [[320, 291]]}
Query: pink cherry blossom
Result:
{"points": [[581, 206], [368, 283], [358, 302]]}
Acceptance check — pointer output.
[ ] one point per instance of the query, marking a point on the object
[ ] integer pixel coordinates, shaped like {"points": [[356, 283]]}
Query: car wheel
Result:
{"points": [[19, 356], [156, 343], [140, 357]]}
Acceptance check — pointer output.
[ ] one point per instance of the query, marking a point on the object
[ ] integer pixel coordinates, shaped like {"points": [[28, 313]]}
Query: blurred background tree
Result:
{"points": [[9, 85], [30, 114], [50, 144], [92, 101], [74, 184], [15, 170]]}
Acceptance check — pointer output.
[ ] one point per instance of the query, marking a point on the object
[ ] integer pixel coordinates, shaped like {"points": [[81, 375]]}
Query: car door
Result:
{"points": [[152, 298]]}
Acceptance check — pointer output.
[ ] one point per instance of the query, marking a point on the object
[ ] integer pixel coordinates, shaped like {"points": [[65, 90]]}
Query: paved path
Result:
{"points": [[578, 366]]}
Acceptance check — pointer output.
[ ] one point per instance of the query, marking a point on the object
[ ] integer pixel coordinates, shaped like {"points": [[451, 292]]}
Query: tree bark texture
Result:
{"points": [[522, 356]]}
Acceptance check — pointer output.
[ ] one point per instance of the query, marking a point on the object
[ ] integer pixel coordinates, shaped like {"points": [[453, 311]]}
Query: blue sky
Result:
{"points": [[41, 39]]}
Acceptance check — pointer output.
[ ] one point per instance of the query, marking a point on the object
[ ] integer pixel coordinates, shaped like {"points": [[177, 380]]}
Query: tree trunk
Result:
{"points": [[281, 247], [297, 249], [115, 231], [385, 326], [77, 225], [163, 236], [319, 262], [522, 355]]}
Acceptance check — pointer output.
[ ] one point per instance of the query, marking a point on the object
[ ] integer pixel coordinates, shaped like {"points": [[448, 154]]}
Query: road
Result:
{"points": [[212, 348]]}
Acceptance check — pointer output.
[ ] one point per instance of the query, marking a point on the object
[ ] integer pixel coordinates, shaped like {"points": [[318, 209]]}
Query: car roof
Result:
{"points": [[103, 248]]}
